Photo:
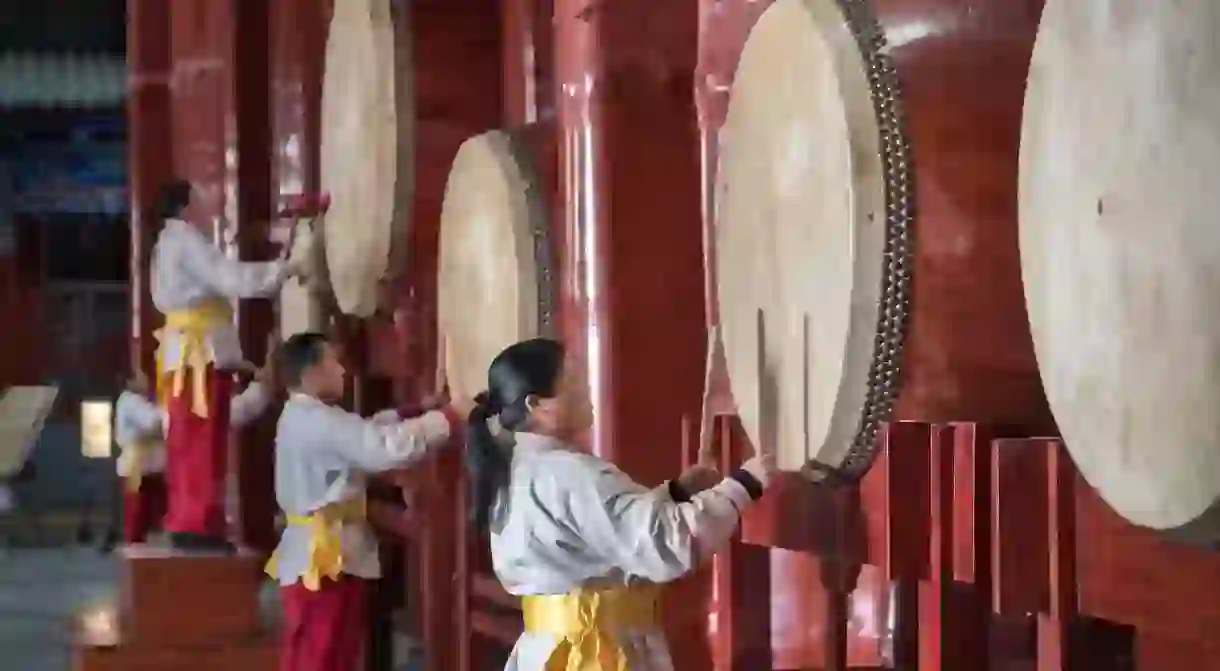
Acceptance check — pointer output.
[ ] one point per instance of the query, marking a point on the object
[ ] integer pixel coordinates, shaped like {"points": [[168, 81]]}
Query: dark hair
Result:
{"points": [[172, 199], [298, 354], [528, 368]]}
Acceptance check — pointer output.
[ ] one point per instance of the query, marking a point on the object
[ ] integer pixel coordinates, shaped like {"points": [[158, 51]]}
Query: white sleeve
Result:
{"points": [[374, 447], [141, 415], [248, 405], [389, 416], [646, 533], [228, 277]]}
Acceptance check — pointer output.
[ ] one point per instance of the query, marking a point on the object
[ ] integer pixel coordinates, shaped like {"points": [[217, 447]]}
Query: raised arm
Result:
{"points": [[375, 446], [648, 533], [228, 277], [141, 417], [248, 405]]}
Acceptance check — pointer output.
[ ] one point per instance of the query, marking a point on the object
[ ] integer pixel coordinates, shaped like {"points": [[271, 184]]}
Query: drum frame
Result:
{"points": [[885, 370], [540, 230]]}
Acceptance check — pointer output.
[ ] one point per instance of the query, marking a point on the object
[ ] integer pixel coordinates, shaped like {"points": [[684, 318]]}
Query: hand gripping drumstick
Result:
{"points": [[296, 208], [300, 207]]}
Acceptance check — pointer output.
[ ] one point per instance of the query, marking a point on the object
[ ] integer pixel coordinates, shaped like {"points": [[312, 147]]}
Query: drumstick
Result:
{"points": [[765, 431], [805, 380], [705, 456], [441, 382]]}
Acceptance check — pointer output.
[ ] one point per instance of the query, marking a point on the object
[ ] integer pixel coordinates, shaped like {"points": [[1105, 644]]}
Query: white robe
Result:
{"points": [[571, 520], [136, 419], [187, 269], [322, 454]]}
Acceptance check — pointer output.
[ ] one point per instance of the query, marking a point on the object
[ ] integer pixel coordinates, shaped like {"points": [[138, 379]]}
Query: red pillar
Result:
{"points": [[221, 131], [149, 155], [632, 272]]}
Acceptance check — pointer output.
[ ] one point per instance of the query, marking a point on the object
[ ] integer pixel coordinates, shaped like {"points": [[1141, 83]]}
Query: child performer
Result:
{"points": [[139, 430], [579, 541], [327, 552], [193, 283]]}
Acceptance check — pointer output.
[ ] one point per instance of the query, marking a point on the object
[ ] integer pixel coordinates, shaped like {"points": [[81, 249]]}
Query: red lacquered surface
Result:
{"points": [[630, 192], [457, 57], [969, 355], [217, 118], [632, 266], [1103, 588], [150, 155]]}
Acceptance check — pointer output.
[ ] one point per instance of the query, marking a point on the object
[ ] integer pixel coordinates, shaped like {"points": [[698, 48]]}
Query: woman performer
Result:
{"points": [[193, 284], [579, 541], [328, 553], [139, 431]]}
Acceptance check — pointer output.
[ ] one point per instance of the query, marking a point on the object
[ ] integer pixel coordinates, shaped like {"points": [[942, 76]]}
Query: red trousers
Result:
{"points": [[196, 459], [143, 510], [324, 630]]}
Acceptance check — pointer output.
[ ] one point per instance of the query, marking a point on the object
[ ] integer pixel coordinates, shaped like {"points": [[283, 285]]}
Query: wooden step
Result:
{"points": [[100, 645], [173, 599], [259, 654]]}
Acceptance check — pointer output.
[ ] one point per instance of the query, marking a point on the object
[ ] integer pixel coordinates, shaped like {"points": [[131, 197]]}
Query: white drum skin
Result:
{"points": [[367, 151], [488, 283], [1120, 249], [801, 233]]}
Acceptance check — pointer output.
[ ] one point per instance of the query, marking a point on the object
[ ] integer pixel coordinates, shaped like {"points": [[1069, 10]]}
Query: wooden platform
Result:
{"points": [[179, 612]]}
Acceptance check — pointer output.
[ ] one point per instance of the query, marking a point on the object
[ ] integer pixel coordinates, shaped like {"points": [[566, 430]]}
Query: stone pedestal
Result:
{"points": [[179, 612]]}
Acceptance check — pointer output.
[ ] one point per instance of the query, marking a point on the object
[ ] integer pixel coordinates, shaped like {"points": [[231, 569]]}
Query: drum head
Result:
{"points": [[1120, 248], [366, 147], [488, 292], [801, 233]]}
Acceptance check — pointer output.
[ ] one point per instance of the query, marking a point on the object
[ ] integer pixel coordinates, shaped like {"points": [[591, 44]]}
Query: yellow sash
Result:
{"points": [[139, 455], [587, 621], [325, 555], [193, 325]]}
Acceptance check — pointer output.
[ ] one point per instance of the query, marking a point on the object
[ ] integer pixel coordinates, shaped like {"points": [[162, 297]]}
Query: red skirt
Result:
{"points": [[144, 510], [197, 459], [324, 630]]}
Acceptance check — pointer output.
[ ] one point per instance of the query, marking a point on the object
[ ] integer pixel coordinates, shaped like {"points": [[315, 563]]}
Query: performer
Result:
{"points": [[139, 430], [193, 284], [327, 552], [579, 541]]}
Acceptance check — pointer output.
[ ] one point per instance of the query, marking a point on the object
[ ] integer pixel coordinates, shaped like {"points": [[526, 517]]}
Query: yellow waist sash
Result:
{"points": [[193, 325], [325, 553], [137, 461], [587, 621]]}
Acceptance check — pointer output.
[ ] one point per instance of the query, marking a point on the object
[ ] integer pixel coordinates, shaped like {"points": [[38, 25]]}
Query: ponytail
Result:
{"points": [[488, 464], [528, 368]]}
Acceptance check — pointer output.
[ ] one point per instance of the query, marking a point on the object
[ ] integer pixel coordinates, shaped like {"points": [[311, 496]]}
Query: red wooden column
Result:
{"points": [[149, 155], [222, 132], [632, 271], [298, 53], [630, 183]]}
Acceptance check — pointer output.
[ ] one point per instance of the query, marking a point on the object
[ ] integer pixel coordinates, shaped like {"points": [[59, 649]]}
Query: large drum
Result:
{"points": [[367, 158], [866, 177], [496, 281], [1121, 252], [864, 273]]}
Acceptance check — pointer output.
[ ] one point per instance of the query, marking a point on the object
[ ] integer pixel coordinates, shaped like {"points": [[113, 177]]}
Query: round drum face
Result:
{"points": [[800, 233], [487, 291], [1120, 247], [365, 149]]}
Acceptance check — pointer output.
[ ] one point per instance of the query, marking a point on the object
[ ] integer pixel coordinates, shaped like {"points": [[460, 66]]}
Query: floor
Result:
{"points": [[42, 588]]}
